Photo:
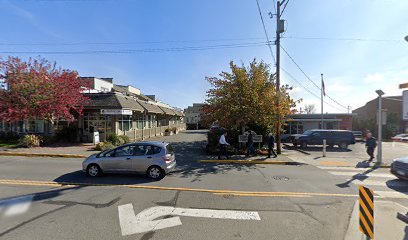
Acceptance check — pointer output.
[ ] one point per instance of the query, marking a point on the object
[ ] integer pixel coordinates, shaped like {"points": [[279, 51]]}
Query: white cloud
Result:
{"points": [[374, 78]]}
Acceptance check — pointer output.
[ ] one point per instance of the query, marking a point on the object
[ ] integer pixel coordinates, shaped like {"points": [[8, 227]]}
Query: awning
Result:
{"points": [[151, 108]]}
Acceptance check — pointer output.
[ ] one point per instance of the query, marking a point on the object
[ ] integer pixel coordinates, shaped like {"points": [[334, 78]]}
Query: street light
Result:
{"points": [[379, 149]]}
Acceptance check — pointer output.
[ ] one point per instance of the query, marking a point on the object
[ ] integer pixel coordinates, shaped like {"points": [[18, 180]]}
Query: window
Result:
{"points": [[125, 151], [125, 123]]}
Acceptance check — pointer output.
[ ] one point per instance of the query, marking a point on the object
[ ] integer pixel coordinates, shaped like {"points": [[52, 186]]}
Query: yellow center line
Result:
{"points": [[260, 195], [215, 191]]}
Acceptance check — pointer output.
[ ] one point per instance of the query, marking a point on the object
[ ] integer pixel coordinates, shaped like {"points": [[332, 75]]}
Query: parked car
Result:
{"points": [[399, 168], [342, 138], [358, 136], [155, 159], [400, 137]]}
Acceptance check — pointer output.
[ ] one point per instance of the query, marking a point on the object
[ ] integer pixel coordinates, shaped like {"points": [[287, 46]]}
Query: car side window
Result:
{"points": [[124, 151], [157, 149], [109, 154], [139, 150]]}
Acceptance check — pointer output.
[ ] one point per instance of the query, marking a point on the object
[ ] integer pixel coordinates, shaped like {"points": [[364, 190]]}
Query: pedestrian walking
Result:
{"points": [[223, 146], [371, 143], [250, 148], [271, 143]]}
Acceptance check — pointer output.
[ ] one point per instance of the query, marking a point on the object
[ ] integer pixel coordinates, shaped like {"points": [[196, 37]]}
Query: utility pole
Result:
{"points": [[380, 123], [321, 98], [279, 30]]}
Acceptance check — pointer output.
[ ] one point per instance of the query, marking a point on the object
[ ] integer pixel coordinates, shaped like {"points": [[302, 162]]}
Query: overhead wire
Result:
{"points": [[266, 32], [313, 82]]}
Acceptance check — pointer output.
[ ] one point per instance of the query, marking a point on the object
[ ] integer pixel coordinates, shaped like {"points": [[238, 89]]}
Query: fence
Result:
{"points": [[139, 134]]}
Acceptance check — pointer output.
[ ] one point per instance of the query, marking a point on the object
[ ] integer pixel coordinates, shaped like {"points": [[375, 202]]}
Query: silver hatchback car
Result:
{"points": [[155, 159]]}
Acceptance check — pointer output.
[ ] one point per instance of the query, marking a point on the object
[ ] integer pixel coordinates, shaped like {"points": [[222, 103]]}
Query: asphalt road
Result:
{"points": [[197, 201]]}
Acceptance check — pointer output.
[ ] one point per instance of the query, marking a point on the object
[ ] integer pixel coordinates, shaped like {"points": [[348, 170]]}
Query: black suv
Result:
{"points": [[342, 138]]}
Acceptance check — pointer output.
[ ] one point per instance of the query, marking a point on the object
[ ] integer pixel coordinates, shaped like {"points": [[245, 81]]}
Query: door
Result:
{"points": [[316, 139], [119, 160], [144, 157]]}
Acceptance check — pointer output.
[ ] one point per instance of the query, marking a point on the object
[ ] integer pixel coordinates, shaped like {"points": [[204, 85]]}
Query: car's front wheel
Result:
{"points": [[155, 172], [343, 145], [303, 144], [94, 170]]}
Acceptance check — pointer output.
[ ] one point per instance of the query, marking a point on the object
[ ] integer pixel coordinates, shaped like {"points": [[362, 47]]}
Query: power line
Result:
{"points": [[144, 50], [130, 43], [345, 39], [266, 32], [308, 90], [297, 65]]}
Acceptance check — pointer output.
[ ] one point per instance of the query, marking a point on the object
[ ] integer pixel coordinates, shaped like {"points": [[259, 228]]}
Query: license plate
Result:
{"points": [[401, 173]]}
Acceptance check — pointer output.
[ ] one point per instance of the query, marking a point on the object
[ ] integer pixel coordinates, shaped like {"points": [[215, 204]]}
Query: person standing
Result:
{"points": [[271, 143], [250, 148], [371, 143], [223, 146]]}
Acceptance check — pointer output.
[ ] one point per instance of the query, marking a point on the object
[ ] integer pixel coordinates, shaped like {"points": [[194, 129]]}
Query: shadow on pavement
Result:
{"points": [[358, 176]]}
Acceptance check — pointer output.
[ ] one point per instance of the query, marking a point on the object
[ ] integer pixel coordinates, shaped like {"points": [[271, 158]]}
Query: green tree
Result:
{"points": [[247, 95]]}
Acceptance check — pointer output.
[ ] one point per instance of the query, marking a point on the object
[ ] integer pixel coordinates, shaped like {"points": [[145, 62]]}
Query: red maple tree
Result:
{"points": [[38, 88]]}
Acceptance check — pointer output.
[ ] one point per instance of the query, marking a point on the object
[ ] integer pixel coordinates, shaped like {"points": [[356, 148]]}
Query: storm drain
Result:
{"points": [[280, 178]]}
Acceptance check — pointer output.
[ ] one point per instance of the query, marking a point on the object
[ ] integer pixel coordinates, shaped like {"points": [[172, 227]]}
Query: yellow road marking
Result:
{"points": [[260, 195], [247, 162], [248, 193], [335, 163]]}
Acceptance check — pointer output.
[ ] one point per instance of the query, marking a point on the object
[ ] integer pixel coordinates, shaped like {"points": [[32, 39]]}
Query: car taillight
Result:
{"points": [[167, 158]]}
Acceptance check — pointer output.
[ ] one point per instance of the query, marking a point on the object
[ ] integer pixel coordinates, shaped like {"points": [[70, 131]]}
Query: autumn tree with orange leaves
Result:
{"points": [[247, 95]]}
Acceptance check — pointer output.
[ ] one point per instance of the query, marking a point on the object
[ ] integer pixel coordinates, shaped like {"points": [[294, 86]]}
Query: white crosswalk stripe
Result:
{"points": [[383, 183], [16, 206], [371, 174]]}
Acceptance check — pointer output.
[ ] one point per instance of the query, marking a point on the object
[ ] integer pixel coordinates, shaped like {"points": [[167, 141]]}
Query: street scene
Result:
{"points": [[159, 119]]}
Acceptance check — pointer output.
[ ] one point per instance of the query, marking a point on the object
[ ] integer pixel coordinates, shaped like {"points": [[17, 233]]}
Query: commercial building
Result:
{"points": [[366, 116], [298, 123], [193, 114], [111, 109]]}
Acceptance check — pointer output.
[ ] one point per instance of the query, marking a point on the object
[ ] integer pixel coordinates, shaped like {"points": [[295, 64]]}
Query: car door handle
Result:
{"points": [[128, 158], [149, 157]]}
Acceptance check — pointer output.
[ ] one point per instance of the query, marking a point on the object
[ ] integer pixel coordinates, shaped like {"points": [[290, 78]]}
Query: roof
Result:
{"points": [[112, 100], [168, 111], [150, 108], [318, 116]]}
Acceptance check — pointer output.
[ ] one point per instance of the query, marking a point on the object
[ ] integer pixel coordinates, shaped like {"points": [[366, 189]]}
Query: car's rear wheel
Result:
{"points": [[155, 172], [94, 170], [343, 145]]}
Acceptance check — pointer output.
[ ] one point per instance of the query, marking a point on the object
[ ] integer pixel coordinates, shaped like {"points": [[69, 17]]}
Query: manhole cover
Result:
{"points": [[280, 178]]}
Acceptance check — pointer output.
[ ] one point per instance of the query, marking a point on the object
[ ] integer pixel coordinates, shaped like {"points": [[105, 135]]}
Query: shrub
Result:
{"points": [[103, 146], [47, 140], [124, 139], [9, 136], [114, 139], [68, 133], [30, 140]]}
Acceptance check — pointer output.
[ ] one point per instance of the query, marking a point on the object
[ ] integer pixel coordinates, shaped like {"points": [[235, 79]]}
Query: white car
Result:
{"points": [[400, 137]]}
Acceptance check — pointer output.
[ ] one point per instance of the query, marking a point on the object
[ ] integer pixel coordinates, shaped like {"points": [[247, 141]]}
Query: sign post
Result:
{"points": [[366, 202]]}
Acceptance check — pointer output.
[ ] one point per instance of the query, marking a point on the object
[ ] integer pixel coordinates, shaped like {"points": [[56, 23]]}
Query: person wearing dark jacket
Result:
{"points": [[271, 143], [371, 143], [250, 148]]}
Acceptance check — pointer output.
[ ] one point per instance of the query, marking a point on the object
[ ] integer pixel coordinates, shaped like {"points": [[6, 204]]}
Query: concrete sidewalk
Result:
{"points": [[56, 150]]}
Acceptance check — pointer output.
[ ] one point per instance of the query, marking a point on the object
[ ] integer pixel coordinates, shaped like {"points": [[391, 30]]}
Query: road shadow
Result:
{"points": [[359, 176], [398, 185], [79, 177]]}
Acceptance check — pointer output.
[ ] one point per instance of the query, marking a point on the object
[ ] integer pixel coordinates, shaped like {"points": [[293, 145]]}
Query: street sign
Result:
{"points": [[403, 85], [244, 138], [257, 138], [145, 220], [116, 112], [366, 200], [405, 105]]}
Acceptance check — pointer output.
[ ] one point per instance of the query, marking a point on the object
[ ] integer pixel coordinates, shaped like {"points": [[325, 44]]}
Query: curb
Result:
{"points": [[250, 162], [41, 155]]}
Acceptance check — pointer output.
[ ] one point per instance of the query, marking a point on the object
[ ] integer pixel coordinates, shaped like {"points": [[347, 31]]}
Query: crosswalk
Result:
{"points": [[15, 206], [381, 181]]}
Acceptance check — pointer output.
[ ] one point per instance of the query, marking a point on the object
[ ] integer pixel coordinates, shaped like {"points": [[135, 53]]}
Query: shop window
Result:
{"points": [[125, 123]]}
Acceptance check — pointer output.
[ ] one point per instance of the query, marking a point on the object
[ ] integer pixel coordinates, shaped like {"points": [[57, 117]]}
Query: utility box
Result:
{"points": [[281, 27]]}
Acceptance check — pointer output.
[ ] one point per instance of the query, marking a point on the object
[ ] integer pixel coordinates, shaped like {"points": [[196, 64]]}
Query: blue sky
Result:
{"points": [[353, 69]]}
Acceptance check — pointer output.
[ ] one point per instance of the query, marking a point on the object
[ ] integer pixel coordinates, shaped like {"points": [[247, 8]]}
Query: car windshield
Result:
{"points": [[169, 149], [308, 132]]}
